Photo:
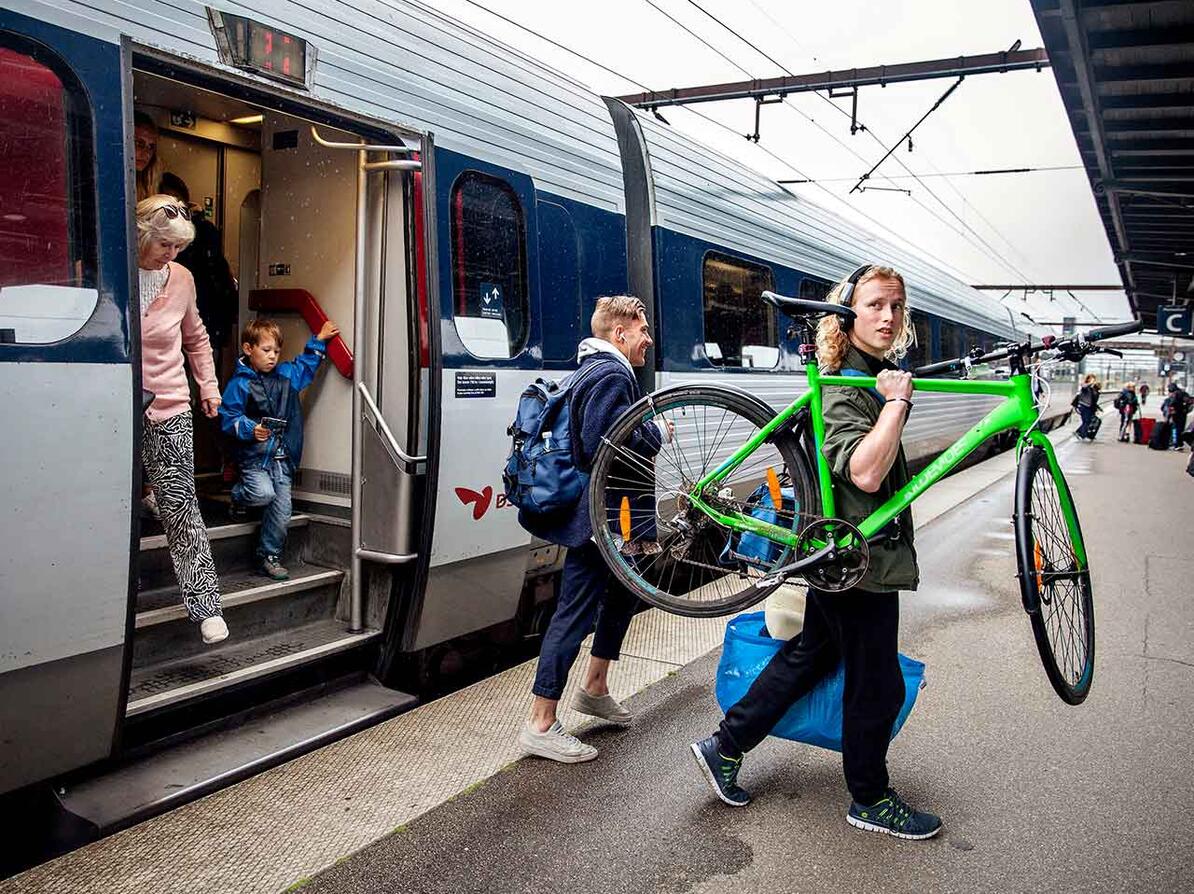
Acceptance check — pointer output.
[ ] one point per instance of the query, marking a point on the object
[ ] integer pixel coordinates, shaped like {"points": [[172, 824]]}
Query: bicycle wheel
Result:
{"points": [[664, 549], [1054, 576]]}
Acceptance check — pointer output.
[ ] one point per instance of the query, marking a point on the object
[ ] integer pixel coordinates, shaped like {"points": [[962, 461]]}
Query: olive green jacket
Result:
{"points": [[850, 414]]}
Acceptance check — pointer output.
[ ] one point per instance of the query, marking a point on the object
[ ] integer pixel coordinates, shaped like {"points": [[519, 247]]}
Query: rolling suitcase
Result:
{"points": [[1092, 428], [1160, 436], [1137, 432]]}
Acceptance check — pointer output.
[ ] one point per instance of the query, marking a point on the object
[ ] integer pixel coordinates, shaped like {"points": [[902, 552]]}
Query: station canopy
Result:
{"points": [[1126, 75]]}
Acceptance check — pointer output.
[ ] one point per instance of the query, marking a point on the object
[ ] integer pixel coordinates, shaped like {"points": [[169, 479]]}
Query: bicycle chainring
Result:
{"points": [[851, 562]]}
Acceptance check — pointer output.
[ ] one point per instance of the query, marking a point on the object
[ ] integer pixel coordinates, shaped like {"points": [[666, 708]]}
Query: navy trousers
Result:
{"points": [[589, 596]]}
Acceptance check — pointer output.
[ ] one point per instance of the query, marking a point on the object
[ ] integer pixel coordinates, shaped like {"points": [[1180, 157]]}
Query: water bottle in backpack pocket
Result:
{"points": [[541, 473]]}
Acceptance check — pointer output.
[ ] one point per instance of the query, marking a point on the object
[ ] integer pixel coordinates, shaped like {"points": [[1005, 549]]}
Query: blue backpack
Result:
{"points": [[541, 473]]}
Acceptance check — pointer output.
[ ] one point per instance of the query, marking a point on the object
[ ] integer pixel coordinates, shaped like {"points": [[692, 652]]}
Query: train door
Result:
{"points": [[69, 395]]}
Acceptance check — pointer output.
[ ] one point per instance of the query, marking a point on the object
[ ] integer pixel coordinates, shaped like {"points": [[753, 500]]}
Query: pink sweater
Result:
{"points": [[170, 328]]}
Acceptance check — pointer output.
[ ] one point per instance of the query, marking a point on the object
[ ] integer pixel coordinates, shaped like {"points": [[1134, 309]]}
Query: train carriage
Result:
{"points": [[456, 206]]}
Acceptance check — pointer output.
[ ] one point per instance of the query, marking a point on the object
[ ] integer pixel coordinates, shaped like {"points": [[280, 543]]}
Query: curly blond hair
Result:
{"points": [[833, 341], [153, 225]]}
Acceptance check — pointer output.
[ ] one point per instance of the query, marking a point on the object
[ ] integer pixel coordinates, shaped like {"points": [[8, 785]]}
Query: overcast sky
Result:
{"points": [[1036, 227]]}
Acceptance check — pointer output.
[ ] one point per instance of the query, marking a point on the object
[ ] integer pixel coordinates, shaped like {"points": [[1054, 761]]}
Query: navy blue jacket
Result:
{"points": [[251, 396], [595, 404]]}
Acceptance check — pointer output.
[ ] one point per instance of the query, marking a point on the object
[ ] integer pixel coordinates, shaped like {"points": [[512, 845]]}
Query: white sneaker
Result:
{"points": [[555, 744], [604, 706], [214, 630]]}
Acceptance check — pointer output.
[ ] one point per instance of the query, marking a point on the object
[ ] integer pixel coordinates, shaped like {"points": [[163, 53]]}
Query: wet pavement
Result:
{"points": [[1036, 795]]}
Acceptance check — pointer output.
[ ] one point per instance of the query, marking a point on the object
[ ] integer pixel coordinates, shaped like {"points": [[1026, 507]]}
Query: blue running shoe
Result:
{"points": [[892, 815], [720, 772]]}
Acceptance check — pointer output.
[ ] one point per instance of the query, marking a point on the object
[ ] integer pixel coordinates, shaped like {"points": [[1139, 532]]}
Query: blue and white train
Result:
{"points": [[456, 206]]}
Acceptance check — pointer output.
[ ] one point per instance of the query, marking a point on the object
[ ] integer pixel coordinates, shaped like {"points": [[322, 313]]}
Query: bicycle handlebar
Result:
{"points": [[1116, 330], [1077, 343]]}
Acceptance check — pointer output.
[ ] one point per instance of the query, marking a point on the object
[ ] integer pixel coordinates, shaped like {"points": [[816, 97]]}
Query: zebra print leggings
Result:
{"points": [[168, 457]]}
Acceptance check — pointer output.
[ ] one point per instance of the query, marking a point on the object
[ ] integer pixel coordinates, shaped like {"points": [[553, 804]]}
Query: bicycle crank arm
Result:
{"points": [[822, 556]]}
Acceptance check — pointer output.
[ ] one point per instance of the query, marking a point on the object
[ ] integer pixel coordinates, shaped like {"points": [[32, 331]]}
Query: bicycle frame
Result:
{"points": [[1016, 411]]}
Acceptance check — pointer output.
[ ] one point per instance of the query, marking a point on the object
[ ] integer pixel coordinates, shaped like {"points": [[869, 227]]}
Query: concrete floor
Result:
{"points": [[1036, 795]]}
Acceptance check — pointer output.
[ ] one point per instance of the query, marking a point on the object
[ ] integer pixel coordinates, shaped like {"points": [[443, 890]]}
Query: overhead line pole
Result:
{"points": [[882, 75]]}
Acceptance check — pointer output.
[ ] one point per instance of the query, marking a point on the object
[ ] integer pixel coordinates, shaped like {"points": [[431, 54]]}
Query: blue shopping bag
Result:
{"points": [[817, 718]]}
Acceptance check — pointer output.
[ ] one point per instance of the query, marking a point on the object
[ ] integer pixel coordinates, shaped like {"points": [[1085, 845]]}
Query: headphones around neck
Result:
{"points": [[847, 293]]}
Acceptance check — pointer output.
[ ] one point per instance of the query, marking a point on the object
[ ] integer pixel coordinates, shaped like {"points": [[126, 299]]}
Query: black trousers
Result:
{"points": [[857, 628]]}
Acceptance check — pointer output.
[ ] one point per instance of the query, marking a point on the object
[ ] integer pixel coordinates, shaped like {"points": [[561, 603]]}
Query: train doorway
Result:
{"points": [[310, 229]]}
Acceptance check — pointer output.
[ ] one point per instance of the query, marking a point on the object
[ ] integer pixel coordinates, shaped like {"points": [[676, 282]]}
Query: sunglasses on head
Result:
{"points": [[173, 211]]}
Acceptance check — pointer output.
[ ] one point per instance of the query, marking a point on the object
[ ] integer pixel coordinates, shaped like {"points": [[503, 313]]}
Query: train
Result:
{"points": [[456, 206]]}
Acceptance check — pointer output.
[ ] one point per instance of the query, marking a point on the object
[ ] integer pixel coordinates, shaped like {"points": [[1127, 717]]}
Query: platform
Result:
{"points": [[987, 703]]}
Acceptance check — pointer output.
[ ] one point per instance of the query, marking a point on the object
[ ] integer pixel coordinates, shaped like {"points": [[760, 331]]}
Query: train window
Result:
{"points": [[814, 289], [47, 217], [918, 351], [951, 340], [740, 330], [489, 266]]}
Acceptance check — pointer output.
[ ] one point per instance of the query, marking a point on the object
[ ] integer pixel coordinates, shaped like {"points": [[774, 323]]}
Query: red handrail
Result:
{"points": [[302, 302]]}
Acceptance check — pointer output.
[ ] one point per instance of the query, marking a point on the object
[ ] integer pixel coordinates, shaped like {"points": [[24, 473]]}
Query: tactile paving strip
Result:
{"points": [[289, 823]]}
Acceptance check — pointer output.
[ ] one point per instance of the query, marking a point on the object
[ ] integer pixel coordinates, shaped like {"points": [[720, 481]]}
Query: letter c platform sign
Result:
{"points": [[1175, 321]]}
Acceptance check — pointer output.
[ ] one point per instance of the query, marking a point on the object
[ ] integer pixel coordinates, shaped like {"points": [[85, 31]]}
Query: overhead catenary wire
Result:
{"points": [[990, 249], [986, 173], [879, 226]]}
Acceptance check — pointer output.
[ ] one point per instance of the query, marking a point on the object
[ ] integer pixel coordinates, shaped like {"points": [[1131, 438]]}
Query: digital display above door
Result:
{"points": [[260, 48]]}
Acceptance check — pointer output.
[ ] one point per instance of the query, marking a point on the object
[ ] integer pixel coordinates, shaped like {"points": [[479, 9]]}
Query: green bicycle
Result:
{"points": [[673, 527]]}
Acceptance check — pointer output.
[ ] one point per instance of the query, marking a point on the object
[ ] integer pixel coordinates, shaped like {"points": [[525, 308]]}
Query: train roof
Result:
{"points": [[403, 62], [710, 196]]}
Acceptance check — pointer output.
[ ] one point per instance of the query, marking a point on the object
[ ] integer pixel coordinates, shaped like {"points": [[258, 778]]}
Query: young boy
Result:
{"points": [[261, 411]]}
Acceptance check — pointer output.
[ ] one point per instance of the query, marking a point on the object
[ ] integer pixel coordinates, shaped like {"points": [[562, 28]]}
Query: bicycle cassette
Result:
{"points": [[848, 565]]}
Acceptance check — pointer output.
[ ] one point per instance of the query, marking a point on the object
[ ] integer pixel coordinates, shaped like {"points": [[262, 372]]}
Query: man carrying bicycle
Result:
{"points": [[859, 626]]}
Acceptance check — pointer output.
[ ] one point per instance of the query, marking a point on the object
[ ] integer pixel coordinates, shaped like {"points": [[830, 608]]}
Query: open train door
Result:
{"points": [[391, 418], [69, 395]]}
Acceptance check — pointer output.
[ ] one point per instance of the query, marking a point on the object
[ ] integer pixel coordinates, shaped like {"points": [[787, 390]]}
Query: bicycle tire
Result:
{"points": [[1061, 608], [684, 575]]}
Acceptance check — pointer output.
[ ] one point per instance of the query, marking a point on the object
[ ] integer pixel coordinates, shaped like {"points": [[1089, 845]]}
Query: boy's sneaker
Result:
{"points": [[555, 744], [720, 772], [273, 568], [604, 706], [892, 815]]}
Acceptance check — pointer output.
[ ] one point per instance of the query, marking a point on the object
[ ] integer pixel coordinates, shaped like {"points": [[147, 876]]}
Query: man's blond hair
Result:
{"points": [[614, 309]]}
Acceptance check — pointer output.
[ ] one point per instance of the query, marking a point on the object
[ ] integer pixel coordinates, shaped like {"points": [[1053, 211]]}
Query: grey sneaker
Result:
{"points": [[273, 568], [555, 744], [604, 706]]}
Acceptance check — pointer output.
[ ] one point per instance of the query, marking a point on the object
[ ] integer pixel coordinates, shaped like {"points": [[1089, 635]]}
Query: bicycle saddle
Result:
{"points": [[801, 307]]}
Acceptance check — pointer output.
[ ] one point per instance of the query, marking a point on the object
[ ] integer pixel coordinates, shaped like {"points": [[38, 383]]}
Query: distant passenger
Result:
{"points": [[590, 597], [145, 155], [171, 329], [1127, 405], [214, 286], [261, 410], [1086, 402], [1143, 393], [858, 627], [1175, 408]]}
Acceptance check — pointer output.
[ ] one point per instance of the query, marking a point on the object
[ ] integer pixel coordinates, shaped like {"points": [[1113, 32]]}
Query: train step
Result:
{"points": [[254, 605], [232, 548], [239, 661], [172, 776]]}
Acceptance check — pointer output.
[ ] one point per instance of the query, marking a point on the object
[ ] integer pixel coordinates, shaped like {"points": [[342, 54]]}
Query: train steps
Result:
{"points": [[285, 636], [144, 784]]}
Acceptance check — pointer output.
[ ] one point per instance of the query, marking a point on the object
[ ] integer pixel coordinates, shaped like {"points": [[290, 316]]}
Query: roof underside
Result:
{"points": [[1126, 74]]}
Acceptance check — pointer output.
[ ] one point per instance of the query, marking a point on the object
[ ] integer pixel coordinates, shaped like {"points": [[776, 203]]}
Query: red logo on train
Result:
{"points": [[480, 501]]}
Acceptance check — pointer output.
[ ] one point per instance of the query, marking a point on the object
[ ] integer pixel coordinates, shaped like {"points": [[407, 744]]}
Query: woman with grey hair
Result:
{"points": [[171, 328]]}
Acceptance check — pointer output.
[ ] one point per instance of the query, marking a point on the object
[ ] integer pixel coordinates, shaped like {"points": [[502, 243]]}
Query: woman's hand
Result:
{"points": [[260, 432], [211, 407], [894, 384]]}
